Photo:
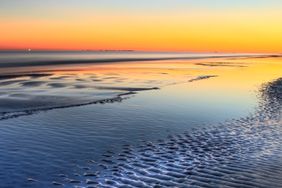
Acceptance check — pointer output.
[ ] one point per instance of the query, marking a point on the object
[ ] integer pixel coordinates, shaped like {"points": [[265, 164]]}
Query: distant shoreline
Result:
{"points": [[123, 50], [60, 51], [36, 62]]}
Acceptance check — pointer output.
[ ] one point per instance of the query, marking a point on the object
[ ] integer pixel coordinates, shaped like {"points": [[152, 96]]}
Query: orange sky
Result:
{"points": [[201, 29]]}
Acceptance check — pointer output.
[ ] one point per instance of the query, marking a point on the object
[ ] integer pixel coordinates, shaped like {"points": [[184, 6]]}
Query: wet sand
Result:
{"points": [[240, 153], [47, 91], [59, 121]]}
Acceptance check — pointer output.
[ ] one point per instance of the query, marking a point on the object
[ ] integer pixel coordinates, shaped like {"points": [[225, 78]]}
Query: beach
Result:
{"points": [[141, 120]]}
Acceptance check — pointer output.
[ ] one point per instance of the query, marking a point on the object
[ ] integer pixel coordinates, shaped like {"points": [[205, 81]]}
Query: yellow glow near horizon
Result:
{"points": [[233, 31]]}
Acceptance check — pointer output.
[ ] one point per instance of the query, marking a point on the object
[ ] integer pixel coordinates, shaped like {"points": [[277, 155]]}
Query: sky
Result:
{"points": [[150, 25]]}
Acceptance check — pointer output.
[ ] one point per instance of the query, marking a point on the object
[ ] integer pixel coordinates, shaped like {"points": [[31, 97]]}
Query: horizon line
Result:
{"points": [[124, 50]]}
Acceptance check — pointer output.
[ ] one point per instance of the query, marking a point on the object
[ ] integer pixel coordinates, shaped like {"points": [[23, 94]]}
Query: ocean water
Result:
{"points": [[63, 115]]}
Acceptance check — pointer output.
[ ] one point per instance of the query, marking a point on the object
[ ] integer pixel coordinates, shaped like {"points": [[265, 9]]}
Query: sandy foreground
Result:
{"points": [[240, 153]]}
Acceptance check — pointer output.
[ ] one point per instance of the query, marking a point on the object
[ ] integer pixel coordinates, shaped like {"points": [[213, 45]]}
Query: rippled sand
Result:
{"points": [[241, 153]]}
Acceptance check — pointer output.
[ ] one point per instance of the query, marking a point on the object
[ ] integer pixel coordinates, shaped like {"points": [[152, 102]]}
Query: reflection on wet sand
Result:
{"points": [[69, 87], [53, 89], [74, 85], [243, 152], [240, 153]]}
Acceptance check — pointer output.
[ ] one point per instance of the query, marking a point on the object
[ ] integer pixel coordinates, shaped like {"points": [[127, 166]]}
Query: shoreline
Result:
{"points": [[223, 155], [126, 92], [36, 63]]}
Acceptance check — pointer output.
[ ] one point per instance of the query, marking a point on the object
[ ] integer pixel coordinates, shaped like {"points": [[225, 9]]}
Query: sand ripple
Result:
{"points": [[241, 153]]}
